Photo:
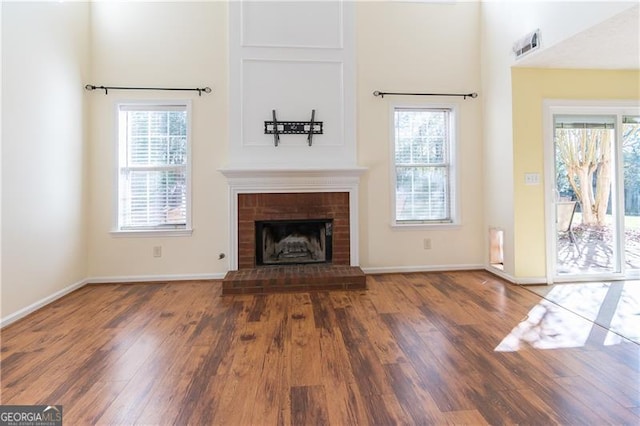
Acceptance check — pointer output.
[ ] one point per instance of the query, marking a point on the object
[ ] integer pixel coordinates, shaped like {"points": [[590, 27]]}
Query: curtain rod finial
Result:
{"points": [[204, 89]]}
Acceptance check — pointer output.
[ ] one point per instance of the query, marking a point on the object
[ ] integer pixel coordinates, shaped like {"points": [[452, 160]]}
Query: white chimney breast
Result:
{"points": [[304, 24], [292, 57]]}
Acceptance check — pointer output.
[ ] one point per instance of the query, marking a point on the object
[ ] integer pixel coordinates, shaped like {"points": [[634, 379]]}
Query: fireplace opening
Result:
{"points": [[293, 241]]}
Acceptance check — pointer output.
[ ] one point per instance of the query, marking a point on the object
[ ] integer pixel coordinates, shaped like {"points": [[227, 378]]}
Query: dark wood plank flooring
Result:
{"points": [[423, 348]]}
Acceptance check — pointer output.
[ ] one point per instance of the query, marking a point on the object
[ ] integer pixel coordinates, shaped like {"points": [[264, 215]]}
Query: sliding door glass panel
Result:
{"points": [[631, 164], [585, 200]]}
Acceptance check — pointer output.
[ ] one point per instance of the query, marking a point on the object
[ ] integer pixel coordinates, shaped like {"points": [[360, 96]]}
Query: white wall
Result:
{"points": [[424, 47], [164, 44], [44, 206], [1, 68], [417, 47], [504, 22]]}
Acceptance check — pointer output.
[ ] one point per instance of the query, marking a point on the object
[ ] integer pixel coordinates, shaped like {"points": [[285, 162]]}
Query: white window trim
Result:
{"points": [[168, 232], [453, 161]]}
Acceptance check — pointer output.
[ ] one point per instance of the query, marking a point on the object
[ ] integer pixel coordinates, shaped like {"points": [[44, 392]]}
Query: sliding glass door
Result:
{"points": [[595, 199], [586, 229], [631, 191]]}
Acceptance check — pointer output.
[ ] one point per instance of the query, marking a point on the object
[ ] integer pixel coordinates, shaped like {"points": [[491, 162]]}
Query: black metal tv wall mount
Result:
{"points": [[277, 128]]}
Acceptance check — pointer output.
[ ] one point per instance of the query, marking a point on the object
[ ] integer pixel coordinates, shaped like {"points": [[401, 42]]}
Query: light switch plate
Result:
{"points": [[532, 178]]}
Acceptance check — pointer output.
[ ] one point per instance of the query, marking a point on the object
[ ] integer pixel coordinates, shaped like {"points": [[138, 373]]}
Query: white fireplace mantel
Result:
{"points": [[253, 181]]}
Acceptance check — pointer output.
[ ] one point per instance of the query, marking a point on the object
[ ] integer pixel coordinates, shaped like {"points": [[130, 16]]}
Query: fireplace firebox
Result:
{"points": [[293, 241]]}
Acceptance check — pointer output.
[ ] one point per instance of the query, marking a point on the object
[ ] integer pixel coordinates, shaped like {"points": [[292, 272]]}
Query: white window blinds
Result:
{"points": [[422, 139], [153, 167]]}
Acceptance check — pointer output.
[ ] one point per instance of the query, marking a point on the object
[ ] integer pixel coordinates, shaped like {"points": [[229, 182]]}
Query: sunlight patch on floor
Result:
{"points": [[567, 315]]}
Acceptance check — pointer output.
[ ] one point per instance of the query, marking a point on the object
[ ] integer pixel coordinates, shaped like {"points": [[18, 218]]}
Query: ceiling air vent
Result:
{"points": [[527, 44]]}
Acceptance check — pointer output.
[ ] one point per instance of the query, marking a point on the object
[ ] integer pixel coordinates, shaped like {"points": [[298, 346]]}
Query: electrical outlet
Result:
{"points": [[157, 251], [427, 243]]}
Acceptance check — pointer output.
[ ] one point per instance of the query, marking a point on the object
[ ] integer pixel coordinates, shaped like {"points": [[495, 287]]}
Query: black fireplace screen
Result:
{"points": [[293, 241]]}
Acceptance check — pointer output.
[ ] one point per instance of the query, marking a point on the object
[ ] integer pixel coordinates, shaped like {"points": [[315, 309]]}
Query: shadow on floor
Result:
{"points": [[592, 251]]}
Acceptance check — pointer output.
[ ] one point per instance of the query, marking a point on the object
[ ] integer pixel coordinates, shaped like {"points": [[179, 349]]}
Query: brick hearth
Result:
{"points": [[293, 206], [277, 279]]}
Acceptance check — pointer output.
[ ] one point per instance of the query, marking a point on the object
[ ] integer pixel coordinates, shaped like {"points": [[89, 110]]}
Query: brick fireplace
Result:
{"points": [[292, 206], [287, 195]]}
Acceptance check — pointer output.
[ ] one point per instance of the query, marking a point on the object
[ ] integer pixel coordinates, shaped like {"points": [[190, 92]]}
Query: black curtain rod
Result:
{"points": [[463, 95], [107, 88]]}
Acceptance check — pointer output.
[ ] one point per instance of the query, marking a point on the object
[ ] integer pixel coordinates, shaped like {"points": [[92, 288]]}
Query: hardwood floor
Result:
{"points": [[423, 348]]}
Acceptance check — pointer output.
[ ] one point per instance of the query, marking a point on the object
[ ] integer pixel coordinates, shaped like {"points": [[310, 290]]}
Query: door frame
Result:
{"points": [[553, 107]]}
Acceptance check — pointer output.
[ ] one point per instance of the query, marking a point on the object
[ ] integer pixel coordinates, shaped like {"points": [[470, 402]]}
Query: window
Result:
{"points": [[153, 167], [423, 152]]}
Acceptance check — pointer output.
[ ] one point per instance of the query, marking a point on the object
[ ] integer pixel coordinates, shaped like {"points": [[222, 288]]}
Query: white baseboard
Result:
{"points": [[531, 281], [469, 267], [40, 303], [155, 278], [514, 280], [424, 268]]}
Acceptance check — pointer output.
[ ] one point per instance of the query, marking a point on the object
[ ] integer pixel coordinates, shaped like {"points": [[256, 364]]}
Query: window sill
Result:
{"points": [[153, 233], [423, 226]]}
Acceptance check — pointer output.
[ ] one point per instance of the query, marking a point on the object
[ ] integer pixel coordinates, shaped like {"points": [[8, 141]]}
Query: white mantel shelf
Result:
{"points": [[266, 180], [243, 173]]}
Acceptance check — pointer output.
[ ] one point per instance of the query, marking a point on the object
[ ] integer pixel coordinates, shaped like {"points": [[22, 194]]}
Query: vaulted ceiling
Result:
{"points": [[612, 44]]}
